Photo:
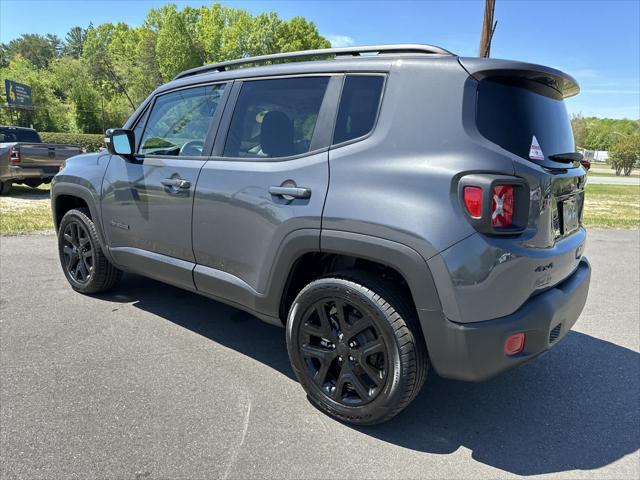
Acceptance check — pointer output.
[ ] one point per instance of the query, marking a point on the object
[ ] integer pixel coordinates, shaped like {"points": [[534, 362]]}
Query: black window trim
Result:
{"points": [[213, 128], [375, 122], [324, 124]]}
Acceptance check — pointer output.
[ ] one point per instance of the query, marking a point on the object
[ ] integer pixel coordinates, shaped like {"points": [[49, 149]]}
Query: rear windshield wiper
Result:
{"points": [[567, 157]]}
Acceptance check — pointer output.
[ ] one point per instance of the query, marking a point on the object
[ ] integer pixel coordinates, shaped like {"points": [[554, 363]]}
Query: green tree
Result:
{"points": [[39, 50], [175, 49], [625, 154], [579, 126], [74, 42]]}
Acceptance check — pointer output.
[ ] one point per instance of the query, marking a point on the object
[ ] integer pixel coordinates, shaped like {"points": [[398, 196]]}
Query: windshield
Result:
{"points": [[10, 135], [511, 116]]}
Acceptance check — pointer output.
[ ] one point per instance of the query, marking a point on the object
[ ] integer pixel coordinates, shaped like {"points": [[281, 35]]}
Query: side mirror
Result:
{"points": [[120, 141]]}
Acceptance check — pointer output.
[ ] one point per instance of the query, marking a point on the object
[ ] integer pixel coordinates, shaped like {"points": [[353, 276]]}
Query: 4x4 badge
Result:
{"points": [[535, 152]]}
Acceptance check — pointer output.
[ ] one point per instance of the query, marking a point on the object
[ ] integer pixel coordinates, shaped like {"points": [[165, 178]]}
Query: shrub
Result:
{"points": [[625, 153], [89, 142]]}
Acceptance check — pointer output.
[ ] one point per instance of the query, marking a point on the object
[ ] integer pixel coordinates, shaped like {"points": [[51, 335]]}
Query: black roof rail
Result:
{"points": [[337, 52]]}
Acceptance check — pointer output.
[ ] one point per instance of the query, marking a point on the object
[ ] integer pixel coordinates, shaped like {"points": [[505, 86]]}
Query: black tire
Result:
{"points": [[335, 367], [81, 257], [5, 187]]}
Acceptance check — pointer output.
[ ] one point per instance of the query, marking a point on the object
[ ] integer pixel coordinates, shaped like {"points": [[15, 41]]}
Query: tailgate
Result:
{"points": [[36, 155]]}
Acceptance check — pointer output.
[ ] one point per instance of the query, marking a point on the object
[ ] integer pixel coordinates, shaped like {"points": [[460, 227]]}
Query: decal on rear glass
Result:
{"points": [[535, 152]]}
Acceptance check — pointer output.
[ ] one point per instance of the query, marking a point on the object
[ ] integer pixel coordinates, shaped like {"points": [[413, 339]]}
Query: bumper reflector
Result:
{"points": [[514, 344]]}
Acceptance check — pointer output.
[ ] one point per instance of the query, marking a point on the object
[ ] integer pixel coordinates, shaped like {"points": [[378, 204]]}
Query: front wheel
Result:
{"points": [[356, 347], [81, 256]]}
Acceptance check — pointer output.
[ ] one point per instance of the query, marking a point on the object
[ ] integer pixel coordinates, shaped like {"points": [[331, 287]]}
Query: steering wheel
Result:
{"points": [[191, 148]]}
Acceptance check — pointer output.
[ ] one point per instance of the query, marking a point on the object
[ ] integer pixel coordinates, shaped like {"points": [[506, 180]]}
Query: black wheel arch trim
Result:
{"points": [[407, 261], [86, 195]]}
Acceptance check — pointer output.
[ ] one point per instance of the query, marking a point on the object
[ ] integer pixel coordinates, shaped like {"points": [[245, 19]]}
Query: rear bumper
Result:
{"points": [[16, 172], [474, 351]]}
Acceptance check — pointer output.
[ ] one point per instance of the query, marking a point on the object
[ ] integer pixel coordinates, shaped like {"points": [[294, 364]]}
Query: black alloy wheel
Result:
{"points": [[356, 346], [343, 351], [83, 261], [78, 252]]}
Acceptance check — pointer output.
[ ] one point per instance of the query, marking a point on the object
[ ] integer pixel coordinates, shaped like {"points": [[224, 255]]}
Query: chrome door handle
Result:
{"points": [[290, 192], [177, 183]]}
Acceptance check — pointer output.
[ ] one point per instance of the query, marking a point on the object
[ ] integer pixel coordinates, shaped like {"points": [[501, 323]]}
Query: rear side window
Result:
{"points": [[179, 121], [358, 107], [275, 118], [511, 115], [18, 135]]}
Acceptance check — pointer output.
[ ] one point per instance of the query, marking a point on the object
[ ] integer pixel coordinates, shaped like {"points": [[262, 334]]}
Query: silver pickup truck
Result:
{"points": [[24, 159]]}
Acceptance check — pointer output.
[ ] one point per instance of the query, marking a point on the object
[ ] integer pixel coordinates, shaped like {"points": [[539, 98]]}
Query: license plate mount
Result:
{"points": [[570, 216]]}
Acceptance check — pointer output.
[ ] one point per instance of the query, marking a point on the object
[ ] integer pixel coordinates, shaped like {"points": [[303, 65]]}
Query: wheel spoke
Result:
{"points": [[325, 324], [368, 349], [67, 250], [317, 352], [372, 372], [68, 238], [337, 393], [82, 268], [356, 383], [340, 317]]}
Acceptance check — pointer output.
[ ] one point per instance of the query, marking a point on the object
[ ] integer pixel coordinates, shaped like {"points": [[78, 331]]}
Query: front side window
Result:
{"points": [[179, 121], [358, 106], [275, 118]]}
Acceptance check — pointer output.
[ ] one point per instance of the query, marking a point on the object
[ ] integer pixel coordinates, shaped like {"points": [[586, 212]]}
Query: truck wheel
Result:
{"points": [[356, 347], [5, 187], [83, 262]]}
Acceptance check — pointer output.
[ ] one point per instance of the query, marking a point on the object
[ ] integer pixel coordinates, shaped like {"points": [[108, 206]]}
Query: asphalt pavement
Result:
{"points": [[153, 382], [606, 180]]}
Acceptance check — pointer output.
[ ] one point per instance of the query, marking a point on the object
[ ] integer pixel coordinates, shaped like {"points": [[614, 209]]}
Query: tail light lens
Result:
{"points": [[495, 204], [14, 155], [473, 201], [502, 206]]}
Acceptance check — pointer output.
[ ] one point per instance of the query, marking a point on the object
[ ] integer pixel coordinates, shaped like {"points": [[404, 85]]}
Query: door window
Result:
{"points": [[275, 118], [179, 121]]}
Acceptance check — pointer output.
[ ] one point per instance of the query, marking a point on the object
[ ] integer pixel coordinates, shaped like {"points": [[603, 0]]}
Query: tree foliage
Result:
{"points": [[601, 133], [624, 154], [98, 75]]}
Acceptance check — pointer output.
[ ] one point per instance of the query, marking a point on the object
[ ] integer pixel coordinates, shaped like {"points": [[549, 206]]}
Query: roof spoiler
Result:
{"points": [[562, 84]]}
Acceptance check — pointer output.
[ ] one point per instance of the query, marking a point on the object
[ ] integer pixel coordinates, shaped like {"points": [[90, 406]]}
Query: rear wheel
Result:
{"points": [[356, 347], [5, 187], [81, 256]]}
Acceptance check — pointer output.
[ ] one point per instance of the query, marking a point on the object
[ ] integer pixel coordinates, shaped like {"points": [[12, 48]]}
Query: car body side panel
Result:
{"points": [[398, 183]]}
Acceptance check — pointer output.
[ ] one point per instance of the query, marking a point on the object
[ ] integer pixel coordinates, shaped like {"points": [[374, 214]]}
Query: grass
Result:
{"points": [[28, 210], [25, 210], [612, 206]]}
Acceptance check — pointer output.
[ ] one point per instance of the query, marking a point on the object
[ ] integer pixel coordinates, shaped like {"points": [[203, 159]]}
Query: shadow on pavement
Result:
{"points": [[574, 408]]}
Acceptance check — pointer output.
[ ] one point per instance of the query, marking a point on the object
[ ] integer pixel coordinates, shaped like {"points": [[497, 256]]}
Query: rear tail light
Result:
{"points": [[514, 344], [473, 201], [14, 155], [502, 206], [495, 204]]}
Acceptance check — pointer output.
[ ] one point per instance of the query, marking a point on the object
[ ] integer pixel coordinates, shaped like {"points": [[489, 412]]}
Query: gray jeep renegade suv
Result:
{"points": [[396, 208]]}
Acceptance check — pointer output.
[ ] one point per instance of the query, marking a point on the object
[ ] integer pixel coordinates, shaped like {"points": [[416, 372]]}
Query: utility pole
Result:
{"points": [[488, 27]]}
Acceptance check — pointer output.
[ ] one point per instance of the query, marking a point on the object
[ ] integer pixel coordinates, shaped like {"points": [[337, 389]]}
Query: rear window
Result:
{"points": [[510, 116], [8, 135], [358, 107]]}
